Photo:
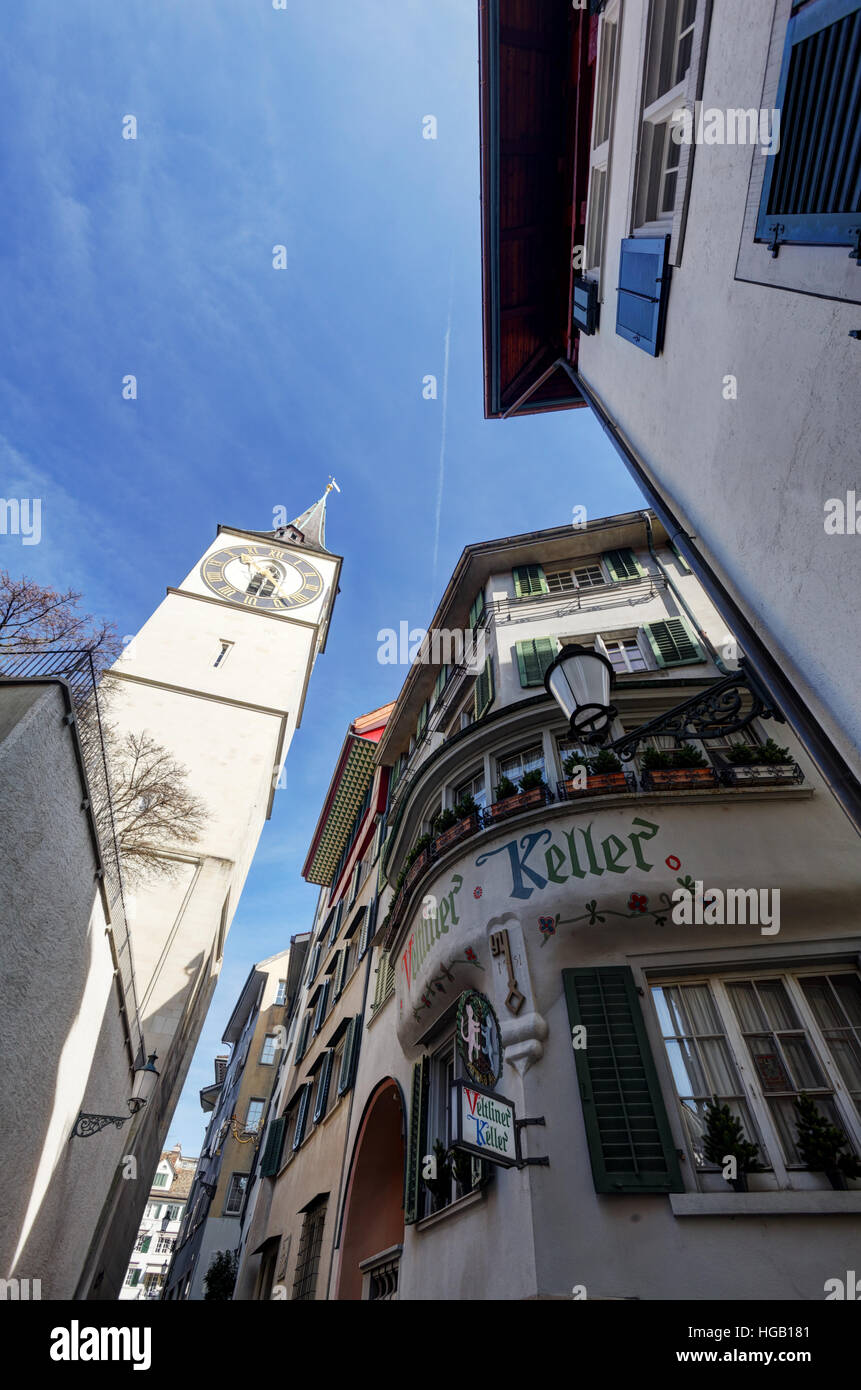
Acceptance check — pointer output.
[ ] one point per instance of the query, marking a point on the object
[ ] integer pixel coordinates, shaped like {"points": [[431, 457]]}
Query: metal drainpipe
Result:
{"points": [[836, 772], [682, 601]]}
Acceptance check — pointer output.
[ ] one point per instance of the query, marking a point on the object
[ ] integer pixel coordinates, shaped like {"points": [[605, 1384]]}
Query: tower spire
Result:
{"points": [[310, 526]]}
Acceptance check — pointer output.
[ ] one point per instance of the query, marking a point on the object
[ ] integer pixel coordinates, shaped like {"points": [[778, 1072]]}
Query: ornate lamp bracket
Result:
{"points": [[86, 1125], [726, 707]]}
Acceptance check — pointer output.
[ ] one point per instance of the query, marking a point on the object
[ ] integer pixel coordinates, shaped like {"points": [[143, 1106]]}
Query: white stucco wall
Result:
{"points": [[749, 477]]}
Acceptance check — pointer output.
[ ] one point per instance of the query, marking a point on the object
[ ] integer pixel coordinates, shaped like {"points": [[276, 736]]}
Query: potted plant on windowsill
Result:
{"points": [[507, 800], [765, 762], [439, 1186], [677, 767], [533, 788], [724, 1138], [603, 774], [461, 1165], [455, 824], [821, 1145], [417, 858]]}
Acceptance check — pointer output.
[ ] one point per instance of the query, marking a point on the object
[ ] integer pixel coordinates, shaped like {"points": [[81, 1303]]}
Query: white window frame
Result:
{"points": [[467, 785], [601, 640], [281, 995], [253, 1126], [656, 122], [606, 83], [268, 1061], [786, 1174], [518, 752]]}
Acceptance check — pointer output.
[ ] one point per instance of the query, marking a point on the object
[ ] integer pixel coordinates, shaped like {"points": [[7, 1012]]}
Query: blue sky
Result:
{"points": [[258, 127]]}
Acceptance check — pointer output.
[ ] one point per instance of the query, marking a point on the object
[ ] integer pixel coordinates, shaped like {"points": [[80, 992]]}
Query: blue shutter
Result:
{"points": [[811, 193], [584, 305], [644, 281]]}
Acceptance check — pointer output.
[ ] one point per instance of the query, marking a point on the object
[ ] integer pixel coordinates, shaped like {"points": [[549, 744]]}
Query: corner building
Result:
{"points": [[556, 904]]}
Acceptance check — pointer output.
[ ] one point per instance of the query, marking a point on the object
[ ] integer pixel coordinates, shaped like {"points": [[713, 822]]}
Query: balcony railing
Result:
{"points": [[78, 670], [622, 783]]}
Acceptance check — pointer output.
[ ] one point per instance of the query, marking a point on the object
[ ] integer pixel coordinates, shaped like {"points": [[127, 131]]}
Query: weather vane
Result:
{"points": [[332, 484]]}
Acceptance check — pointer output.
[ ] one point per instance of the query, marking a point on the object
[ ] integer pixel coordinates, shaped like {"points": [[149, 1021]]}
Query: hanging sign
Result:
{"points": [[484, 1124], [479, 1041]]}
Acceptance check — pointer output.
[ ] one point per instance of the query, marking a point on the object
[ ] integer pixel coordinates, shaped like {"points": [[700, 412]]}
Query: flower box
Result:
{"points": [[418, 864], [521, 801], [767, 773], [465, 827], [597, 783], [679, 777]]}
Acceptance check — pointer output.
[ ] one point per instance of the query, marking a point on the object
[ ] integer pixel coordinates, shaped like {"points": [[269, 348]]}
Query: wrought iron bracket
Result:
{"points": [[543, 1161], [727, 707], [87, 1125]]}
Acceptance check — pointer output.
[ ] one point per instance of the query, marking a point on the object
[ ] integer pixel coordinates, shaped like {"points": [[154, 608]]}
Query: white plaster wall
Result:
{"points": [[58, 1008], [749, 477]]}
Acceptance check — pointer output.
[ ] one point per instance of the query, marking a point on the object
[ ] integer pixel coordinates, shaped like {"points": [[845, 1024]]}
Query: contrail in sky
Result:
{"points": [[444, 429]]}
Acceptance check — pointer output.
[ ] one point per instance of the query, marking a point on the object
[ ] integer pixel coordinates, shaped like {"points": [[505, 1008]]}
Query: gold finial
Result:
{"points": [[332, 484]]}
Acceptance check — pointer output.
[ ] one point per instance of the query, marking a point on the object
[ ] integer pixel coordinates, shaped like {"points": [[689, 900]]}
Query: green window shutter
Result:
{"points": [[529, 580], [630, 1142], [533, 658], [484, 692], [314, 964], [302, 1117], [323, 1087], [623, 564], [385, 981], [368, 928], [136, 1274], [337, 982], [350, 1059], [416, 1140], [302, 1041], [145, 1244], [477, 610], [439, 683], [322, 1001], [423, 719], [682, 562], [673, 643], [271, 1160]]}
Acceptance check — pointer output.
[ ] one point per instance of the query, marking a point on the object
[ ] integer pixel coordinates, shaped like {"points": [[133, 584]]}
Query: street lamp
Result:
{"points": [[580, 680], [144, 1085]]}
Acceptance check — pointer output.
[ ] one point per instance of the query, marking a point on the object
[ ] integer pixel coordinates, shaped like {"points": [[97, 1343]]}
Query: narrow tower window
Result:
{"points": [[223, 654]]}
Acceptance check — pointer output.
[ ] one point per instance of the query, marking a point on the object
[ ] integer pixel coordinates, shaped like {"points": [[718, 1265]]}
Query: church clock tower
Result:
{"points": [[218, 676]]}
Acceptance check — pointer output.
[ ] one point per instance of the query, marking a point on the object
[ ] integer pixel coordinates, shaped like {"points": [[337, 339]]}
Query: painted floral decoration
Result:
{"points": [[638, 902], [470, 955], [477, 892], [547, 926]]}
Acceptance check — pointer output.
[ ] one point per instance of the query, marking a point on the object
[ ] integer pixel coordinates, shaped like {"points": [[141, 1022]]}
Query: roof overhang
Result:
{"points": [[535, 114], [244, 1006], [353, 772]]}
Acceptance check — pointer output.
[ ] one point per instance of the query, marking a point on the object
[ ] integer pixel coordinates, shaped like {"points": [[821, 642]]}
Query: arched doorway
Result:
{"points": [[374, 1208]]}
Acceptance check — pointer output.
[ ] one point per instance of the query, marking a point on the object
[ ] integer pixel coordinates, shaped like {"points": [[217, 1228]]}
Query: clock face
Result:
{"points": [[261, 576]]}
